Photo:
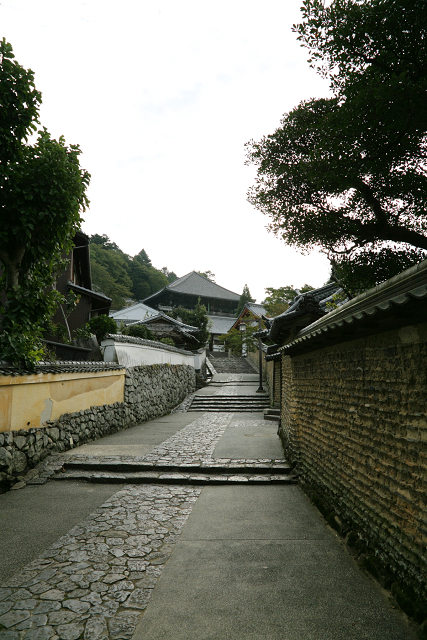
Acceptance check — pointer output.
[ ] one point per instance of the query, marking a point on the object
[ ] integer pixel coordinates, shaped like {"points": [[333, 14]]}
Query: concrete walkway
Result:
{"points": [[208, 556]]}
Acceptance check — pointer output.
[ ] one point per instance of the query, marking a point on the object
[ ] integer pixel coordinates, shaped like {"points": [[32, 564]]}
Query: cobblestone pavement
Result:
{"points": [[94, 583], [192, 444]]}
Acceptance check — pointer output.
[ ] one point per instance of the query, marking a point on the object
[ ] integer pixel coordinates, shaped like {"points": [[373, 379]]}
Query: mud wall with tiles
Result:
{"points": [[354, 426], [149, 392]]}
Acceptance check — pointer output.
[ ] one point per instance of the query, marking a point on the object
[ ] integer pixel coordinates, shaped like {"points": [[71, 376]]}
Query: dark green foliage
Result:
{"points": [[140, 276], [368, 268], [200, 319], [121, 277], [19, 104], [347, 174], [104, 241], [167, 341], [104, 282], [244, 298], [171, 276], [143, 258], [101, 325], [82, 333], [207, 274], [196, 318], [110, 273], [43, 192], [139, 331], [240, 341], [26, 311], [278, 300]]}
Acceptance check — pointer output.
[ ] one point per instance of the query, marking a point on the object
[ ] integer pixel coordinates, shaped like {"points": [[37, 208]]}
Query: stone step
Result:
{"points": [[237, 398], [231, 403], [175, 478], [258, 403], [232, 406], [217, 465], [232, 409], [232, 383], [272, 418], [211, 471], [226, 396]]}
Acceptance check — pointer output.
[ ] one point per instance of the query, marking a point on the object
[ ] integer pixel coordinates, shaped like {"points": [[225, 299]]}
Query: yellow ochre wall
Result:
{"points": [[28, 401]]}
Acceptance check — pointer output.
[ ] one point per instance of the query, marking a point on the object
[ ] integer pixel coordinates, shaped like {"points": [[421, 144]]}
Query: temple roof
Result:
{"points": [[220, 324], [306, 308], [186, 330], [257, 309], [134, 312], [194, 284], [394, 302], [162, 317]]}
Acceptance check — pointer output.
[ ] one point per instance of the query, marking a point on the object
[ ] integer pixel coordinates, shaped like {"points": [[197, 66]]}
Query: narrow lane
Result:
{"points": [[211, 555]]}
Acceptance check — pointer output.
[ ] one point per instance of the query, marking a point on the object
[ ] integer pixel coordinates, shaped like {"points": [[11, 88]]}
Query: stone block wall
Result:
{"points": [[354, 424], [276, 383], [150, 392]]}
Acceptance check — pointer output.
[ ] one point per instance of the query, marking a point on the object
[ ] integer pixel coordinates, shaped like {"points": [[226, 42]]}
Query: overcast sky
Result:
{"points": [[161, 96]]}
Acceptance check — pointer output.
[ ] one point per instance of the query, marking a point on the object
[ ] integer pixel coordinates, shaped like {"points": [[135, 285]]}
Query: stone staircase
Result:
{"points": [[230, 403], [230, 364], [214, 471]]}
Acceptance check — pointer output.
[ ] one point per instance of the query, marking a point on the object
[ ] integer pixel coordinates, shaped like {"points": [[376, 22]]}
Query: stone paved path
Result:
{"points": [[96, 581]]}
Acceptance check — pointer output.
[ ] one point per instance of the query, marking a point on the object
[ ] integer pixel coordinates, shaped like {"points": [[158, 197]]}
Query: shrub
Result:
{"points": [[139, 331], [101, 325], [168, 341]]}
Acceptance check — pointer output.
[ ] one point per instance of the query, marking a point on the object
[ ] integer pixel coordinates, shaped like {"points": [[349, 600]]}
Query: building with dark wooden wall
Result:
{"points": [[186, 291], [77, 278]]}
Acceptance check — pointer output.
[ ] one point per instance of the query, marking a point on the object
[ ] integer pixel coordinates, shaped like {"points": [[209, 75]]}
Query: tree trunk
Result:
{"points": [[12, 264]]}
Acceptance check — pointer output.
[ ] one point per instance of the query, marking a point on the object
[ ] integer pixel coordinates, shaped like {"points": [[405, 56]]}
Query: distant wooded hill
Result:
{"points": [[122, 277]]}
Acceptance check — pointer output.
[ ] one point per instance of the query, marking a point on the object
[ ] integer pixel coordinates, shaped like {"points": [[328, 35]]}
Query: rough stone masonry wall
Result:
{"points": [[150, 392], [354, 423], [277, 383]]}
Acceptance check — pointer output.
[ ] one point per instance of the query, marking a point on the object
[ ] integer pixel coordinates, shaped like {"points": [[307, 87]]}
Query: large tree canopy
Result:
{"points": [[278, 300], [42, 194], [348, 174]]}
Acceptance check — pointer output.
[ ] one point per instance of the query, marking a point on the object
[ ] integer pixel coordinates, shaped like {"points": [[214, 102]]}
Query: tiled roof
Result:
{"points": [[221, 324], [88, 292], [400, 298], [117, 337], [137, 311], [162, 316], [256, 309], [309, 303], [196, 285], [59, 367]]}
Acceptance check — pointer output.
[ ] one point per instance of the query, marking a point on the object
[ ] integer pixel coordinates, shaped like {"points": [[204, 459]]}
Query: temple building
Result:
{"points": [[186, 291]]}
